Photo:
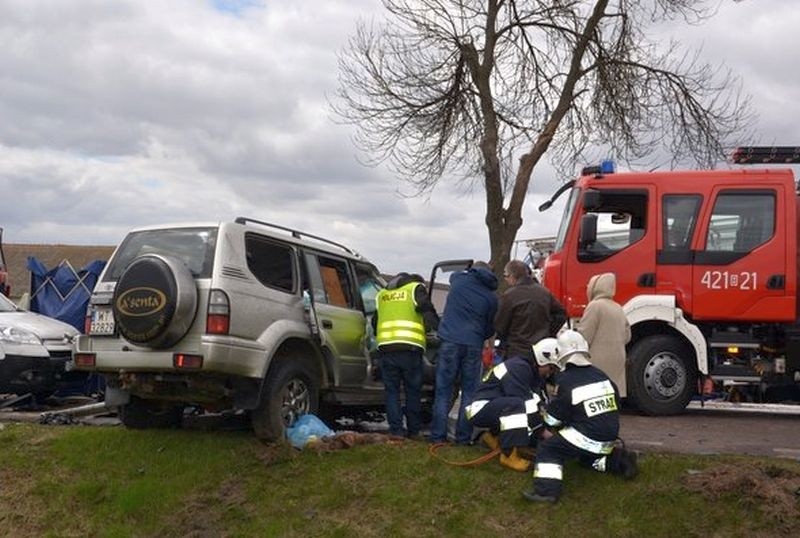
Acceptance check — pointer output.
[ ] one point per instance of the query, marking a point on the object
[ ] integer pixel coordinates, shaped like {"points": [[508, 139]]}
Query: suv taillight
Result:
{"points": [[219, 313], [87, 321]]}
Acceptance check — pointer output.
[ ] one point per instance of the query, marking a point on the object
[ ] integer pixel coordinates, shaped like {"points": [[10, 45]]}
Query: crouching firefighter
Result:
{"points": [[507, 403], [583, 415]]}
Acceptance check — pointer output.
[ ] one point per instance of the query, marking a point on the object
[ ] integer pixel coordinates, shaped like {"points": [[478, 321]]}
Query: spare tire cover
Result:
{"points": [[155, 301]]}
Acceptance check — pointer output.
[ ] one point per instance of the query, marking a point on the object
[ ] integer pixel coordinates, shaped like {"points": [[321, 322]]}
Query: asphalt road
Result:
{"points": [[714, 432]]}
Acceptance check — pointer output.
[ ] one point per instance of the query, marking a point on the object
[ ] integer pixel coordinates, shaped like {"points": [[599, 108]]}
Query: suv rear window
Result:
{"points": [[193, 246]]}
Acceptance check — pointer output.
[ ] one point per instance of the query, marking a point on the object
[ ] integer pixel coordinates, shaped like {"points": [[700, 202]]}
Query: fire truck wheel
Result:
{"points": [[661, 375]]}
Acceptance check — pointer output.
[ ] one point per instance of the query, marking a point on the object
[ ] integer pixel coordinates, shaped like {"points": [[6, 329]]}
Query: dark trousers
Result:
{"points": [[511, 435], [551, 455], [402, 367]]}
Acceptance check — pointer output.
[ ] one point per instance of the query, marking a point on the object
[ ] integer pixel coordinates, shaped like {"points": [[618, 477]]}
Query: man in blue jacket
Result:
{"points": [[467, 321]]}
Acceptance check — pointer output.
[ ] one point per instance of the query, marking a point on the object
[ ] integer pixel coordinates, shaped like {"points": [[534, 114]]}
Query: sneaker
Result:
{"points": [[532, 496]]}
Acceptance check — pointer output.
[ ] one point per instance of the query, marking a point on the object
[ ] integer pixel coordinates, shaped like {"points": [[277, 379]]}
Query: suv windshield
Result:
{"points": [[193, 246]]}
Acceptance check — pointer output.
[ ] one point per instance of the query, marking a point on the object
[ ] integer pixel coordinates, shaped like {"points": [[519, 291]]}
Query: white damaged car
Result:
{"points": [[34, 350]]}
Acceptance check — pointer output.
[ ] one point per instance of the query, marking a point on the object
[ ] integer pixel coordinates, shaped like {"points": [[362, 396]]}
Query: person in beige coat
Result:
{"points": [[606, 329]]}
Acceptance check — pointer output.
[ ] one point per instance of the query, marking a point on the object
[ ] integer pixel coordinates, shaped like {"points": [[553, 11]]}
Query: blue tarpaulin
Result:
{"points": [[62, 292]]}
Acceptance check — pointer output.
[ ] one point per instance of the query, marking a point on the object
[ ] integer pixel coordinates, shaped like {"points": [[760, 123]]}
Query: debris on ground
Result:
{"points": [[349, 439], [769, 488]]}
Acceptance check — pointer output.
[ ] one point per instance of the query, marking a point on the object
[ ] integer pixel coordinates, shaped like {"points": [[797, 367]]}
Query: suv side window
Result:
{"points": [[270, 262], [331, 284]]}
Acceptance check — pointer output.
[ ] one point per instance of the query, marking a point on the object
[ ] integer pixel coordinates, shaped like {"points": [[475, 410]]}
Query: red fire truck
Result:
{"points": [[707, 273]]}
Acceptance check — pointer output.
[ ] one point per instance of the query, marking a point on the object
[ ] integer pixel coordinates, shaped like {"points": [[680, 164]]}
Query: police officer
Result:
{"points": [[584, 416], [405, 314], [507, 403]]}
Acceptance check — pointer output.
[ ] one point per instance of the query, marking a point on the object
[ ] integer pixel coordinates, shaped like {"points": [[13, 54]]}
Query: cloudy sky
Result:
{"points": [[115, 114]]}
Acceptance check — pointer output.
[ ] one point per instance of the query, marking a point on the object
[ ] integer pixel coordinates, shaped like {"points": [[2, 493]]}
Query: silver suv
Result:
{"points": [[241, 315]]}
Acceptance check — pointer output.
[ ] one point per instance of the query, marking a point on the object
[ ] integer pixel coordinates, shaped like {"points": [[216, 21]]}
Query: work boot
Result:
{"points": [[532, 496], [629, 465], [624, 463], [490, 440], [515, 461]]}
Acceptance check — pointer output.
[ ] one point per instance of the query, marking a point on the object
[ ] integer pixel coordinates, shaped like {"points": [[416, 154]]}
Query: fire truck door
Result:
{"points": [[625, 231], [739, 270]]}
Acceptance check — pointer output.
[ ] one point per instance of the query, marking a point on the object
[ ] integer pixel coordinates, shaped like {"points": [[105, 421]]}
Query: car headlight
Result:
{"points": [[14, 335]]}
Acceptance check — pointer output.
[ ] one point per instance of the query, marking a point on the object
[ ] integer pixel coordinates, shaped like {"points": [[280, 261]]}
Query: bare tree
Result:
{"points": [[484, 88]]}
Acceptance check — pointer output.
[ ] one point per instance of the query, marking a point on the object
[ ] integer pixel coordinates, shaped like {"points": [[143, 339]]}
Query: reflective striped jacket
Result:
{"points": [[586, 400]]}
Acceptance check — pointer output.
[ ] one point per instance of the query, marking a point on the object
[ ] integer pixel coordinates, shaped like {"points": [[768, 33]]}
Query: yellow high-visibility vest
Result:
{"points": [[398, 319]]}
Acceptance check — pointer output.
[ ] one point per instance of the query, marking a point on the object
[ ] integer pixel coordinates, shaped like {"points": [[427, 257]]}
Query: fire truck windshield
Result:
{"points": [[566, 217]]}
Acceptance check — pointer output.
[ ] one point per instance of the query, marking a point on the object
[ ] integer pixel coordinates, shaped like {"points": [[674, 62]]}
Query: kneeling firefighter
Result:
{"points": [[583, 416], [507, 403]]}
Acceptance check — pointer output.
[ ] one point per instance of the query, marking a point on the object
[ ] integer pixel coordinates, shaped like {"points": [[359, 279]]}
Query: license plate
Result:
{"points": [[102, 321]]}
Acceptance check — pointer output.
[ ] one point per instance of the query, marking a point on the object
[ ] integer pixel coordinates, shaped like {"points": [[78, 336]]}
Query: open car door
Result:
{"points": [[438, 286]]}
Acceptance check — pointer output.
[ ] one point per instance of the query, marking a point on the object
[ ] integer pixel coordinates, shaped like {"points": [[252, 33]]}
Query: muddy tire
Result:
{"points": [[291, 389], [662, 376], [141, 414], [155, 301]]}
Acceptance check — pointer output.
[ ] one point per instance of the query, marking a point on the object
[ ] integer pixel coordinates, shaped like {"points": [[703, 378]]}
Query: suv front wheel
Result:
{"points": [[291, 390]]}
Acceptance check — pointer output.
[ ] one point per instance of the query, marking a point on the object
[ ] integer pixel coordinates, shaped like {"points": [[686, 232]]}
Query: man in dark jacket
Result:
{"points": [[526, 314], [584, 415], [405, 314], [467, 321]]}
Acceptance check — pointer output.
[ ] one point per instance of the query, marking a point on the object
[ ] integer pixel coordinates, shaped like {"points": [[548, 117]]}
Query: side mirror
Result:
{"points": [[591, 200], [620, 218], [588, 230]]}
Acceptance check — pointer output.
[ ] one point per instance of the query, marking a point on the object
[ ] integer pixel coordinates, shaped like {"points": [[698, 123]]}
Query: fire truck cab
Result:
{"points": [[706, 267]]}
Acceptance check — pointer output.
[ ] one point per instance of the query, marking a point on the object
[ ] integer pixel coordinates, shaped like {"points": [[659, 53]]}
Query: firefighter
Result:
{"points": [[584, 417], [507, 403]]}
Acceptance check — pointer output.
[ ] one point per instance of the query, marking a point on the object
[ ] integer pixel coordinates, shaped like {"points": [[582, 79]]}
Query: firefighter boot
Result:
{"points": [[489, 439], [532, 496], [515, 461], [624, 462], [629, 464]]}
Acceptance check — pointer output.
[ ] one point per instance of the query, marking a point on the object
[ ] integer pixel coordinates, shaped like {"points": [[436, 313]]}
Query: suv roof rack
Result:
{"points": [[297, 234]]}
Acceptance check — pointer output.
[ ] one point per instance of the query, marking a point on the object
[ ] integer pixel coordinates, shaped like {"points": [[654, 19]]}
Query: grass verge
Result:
{"points": [[83, 481]]}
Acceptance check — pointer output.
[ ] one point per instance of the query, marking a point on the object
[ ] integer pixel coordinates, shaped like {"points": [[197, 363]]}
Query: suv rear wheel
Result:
{"points": [[291, 390]]}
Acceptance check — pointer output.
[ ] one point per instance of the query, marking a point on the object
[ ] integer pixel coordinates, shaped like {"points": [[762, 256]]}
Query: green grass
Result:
{"points": [[81, 481]]}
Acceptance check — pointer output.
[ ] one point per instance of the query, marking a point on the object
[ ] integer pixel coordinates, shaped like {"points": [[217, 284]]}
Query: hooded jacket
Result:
{"points": [[606, 329], [468, 317]]}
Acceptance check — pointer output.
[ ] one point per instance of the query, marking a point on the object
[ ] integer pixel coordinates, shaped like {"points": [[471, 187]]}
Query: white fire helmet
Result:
{"points": [[546, 352], [573, 349]]}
